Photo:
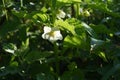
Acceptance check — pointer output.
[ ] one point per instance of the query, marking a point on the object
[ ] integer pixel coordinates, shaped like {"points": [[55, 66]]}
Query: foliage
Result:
{"points": [[82, 42]]}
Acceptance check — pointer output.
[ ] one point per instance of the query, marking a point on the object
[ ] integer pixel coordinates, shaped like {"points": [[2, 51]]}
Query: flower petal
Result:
{"points": [[57, 35], [51, 39], [47, 29], [43, 36]]}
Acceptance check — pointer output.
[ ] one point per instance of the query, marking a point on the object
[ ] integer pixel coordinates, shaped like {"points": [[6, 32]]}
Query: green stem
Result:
{"points": [[3, 3], [57, 61], [21, 3], [77, 7], [78, 10], [54, 10], [6, 14], [5, 11]]}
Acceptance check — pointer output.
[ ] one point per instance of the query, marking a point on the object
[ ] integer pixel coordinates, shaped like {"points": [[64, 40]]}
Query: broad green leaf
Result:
{"points": [[72, 40], [65, 25], [14, 63]]}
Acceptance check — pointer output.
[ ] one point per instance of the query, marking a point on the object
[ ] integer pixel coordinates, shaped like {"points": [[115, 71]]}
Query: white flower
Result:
{"points": [[61, 14], [52, 34]]}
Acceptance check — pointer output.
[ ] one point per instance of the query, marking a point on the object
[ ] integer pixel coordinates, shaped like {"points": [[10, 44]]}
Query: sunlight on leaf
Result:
{"points": [[103, 56], [65, 25], [10, 48], [73, 40]]}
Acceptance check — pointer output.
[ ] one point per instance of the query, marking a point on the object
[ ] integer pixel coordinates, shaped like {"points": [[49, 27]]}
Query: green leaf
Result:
{"points": [[95, 43], [10, 48], [43, 76], [26, 43], [65, 25], [20, 14], [24, 48], [72, 40], [103, 7], [89, 29], [69, 1], [14, 63], [103, 56], [100, 28], [40, 16]]}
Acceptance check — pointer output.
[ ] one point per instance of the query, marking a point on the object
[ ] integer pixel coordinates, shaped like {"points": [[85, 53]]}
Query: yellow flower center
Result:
{"points": [[51, 33]]}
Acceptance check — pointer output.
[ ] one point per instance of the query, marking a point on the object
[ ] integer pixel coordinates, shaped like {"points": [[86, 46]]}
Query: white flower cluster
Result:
{"points": [[52, 34]]}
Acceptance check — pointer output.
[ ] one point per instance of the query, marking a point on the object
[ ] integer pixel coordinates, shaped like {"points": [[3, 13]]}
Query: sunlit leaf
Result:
{"points": [[10, 48], [73, 40], [41, 16], [68, 1], [103, 56], [65, 25]]}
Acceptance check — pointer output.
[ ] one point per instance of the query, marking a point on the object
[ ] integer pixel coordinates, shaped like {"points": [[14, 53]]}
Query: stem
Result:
{"points": [[78, 10], [77, 7], [57, 61], [54, 9], [3, 3], [6, 14], [5, 9], [21, 3]]}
